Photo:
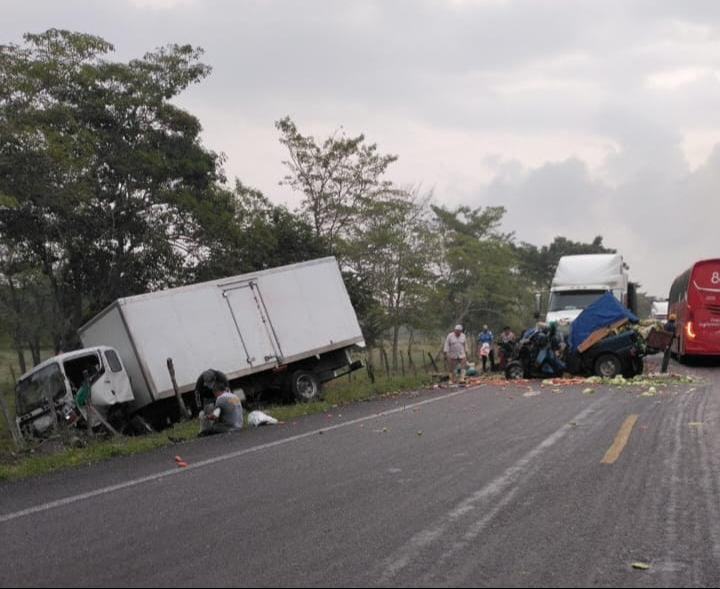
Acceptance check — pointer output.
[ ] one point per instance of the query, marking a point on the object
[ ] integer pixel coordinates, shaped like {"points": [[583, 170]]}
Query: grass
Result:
{"points": [[339, 392]]}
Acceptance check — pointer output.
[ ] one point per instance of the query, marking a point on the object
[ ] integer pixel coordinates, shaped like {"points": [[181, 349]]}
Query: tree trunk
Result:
{"points": [[383, 351], [21, 357], [395, 344], [369, 366], [35, 349]]}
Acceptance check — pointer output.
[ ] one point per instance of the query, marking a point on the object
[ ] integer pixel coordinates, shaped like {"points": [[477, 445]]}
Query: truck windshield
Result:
{"points": [[38, 387], [573, 300]]}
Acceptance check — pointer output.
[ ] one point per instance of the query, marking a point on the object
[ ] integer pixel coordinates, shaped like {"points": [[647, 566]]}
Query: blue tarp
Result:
{"points": [[602, 313]]}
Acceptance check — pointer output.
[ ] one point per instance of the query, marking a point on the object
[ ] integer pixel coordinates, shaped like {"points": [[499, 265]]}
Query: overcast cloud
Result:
{"points": [[581, 117]]}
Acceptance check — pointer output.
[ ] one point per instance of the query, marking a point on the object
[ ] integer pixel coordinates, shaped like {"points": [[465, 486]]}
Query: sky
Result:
{"points": [[582, 118]]}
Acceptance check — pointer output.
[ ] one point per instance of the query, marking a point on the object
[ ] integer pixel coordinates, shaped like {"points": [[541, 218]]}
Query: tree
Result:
{"points": [[338, 178], [479, 277], [242, 231], [106, 172], [393, 248], [26, 310]]}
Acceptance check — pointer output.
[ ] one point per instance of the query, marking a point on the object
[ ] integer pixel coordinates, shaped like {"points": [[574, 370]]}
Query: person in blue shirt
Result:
{"points": [[485, 348]]}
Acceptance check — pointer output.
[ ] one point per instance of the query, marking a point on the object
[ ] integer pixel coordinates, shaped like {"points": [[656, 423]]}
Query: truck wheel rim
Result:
{"points": [[607, 368], [516, 372], [306, 387]]}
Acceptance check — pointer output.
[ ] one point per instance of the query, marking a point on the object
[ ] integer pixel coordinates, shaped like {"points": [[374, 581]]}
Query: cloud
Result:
{"points": [[161, 4], [580, 117]]}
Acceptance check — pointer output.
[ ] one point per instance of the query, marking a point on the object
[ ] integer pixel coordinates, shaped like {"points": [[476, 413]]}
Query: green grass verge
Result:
{"points": [[337, 393]]}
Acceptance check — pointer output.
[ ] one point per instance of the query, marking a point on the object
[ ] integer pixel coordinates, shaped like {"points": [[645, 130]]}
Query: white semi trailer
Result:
{"points": [[291, 327]]}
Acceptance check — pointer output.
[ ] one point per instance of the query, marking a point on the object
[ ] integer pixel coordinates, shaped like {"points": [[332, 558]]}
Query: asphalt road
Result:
{"points": [[493, 486]]}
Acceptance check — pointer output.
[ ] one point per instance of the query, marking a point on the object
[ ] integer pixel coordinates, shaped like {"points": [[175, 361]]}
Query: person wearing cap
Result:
{"points": [[454, 350]]}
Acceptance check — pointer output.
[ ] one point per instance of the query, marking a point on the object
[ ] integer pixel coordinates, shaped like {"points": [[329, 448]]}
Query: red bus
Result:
{"points": [[695, 301]]}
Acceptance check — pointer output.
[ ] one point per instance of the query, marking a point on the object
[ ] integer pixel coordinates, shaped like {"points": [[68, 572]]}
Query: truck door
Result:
{"points": [[253, 325], [116, 378]]}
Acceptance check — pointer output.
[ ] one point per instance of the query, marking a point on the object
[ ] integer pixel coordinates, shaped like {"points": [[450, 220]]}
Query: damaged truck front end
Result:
{"points": [[59, 391]]}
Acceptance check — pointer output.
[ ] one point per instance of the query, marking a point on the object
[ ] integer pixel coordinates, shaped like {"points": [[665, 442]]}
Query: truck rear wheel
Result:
{"points": [[608, 366], [305, 386], [514, 371]]}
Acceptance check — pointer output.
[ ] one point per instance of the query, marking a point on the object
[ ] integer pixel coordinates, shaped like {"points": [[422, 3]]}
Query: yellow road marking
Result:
{"points": [[621, 441]]}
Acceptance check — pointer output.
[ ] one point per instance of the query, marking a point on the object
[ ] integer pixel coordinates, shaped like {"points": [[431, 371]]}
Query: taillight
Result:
{"points": [[690, 330]]}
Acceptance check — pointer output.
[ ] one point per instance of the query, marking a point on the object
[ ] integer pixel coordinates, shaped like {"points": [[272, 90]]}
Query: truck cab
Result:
{"points": [[48, 393], [582, 279]]}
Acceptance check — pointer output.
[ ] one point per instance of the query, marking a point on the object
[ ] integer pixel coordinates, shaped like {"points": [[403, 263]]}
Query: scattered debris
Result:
{"points": [[648, 380], [641, 566], [695, 424], [588, 391], [258, 418], [180, 462]]}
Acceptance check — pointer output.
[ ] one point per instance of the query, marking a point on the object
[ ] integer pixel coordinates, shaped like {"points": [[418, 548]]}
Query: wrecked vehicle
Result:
{"points": [[285, 330], [537, 354], [602, 343], [46, 396]]}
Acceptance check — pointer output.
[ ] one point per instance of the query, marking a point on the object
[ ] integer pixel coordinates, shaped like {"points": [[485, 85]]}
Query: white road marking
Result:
{"points": [[210, 461], [487, 502]]}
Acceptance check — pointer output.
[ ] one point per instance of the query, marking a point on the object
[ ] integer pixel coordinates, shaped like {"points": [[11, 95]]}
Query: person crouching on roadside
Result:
{"points": [[225, 416]]}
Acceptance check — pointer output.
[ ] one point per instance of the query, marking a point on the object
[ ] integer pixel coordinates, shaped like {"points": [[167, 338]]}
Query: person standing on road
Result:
{"points": [[455, 355], [225, 416], [506, 341], [485, 348]]}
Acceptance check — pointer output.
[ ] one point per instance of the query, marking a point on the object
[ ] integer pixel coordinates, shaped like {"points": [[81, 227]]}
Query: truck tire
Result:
{"points": [[305, 386], [514, 371], [608, 366]]}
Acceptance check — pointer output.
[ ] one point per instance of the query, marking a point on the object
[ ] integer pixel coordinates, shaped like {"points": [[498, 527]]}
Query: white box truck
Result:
{"points": [[291, 327], [582, 279]]}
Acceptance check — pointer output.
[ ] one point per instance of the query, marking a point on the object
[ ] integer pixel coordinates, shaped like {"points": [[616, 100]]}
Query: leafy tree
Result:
{"points": [[26, 310], [393, 248], [479, 278], [242, 231], [104, 169], [338, 178]]}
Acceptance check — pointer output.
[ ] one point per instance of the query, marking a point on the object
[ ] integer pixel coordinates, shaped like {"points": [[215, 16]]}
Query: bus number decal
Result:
{"points": [[715, 278]]}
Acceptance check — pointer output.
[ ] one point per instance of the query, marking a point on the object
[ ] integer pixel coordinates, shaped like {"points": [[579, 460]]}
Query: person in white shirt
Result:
{"points": [[455, 354]]}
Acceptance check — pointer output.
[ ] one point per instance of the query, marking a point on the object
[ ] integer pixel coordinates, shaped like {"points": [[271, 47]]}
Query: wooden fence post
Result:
{"points": [[432, 361], [387, 362]]}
